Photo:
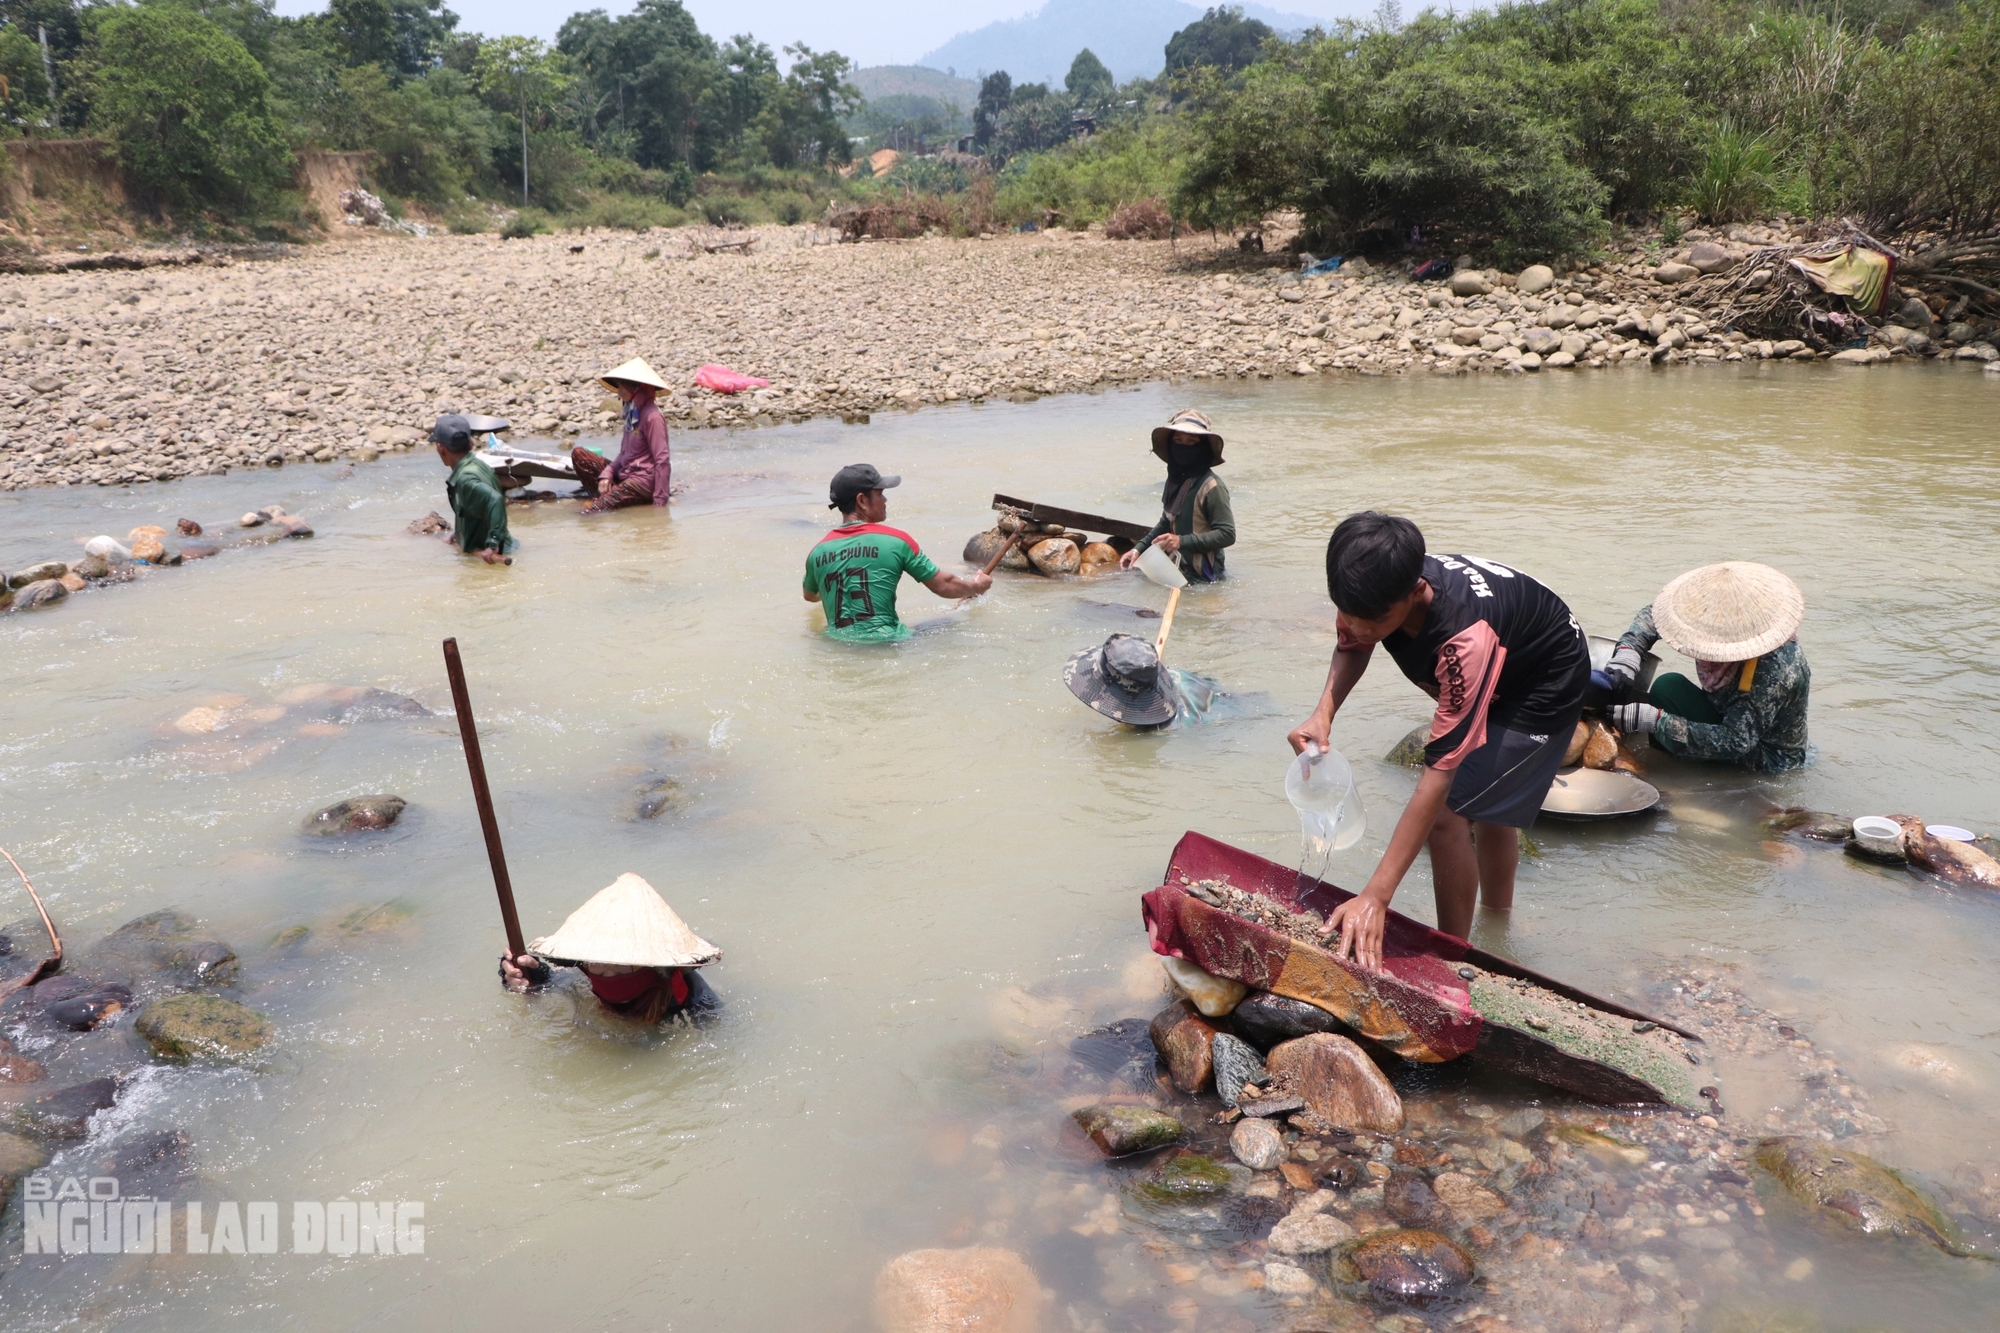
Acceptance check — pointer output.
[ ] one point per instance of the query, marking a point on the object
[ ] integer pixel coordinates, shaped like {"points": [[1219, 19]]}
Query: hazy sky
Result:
{"points": [[873, 32]]}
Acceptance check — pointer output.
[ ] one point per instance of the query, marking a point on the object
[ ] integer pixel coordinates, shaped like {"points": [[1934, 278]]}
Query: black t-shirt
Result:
{"points": [[1495, 646]]}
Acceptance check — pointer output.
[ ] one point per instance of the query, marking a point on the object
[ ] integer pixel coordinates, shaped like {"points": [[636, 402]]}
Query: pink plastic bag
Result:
{"points": [[722, 379]]}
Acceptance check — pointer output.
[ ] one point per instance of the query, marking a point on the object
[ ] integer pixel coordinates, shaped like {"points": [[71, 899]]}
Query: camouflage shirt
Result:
{"points": [[1763, 728]]}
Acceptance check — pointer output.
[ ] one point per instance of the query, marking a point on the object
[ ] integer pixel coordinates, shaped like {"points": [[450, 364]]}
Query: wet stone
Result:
{"points": [[1409, 751], [152, 1165], [357, 814], [1813, 825], [975, 1290], [1340, 1083], [66, 1112], [657, 797], [1409, 1199], [45, 593], [1187, 1177], [1410, 1265], [1302, 1232], [1185, 1040], [1257, 1144], [1468, 1200], [1121, 1130], [18, 1157], [183, 1027], [1236, 1063], [87, 1009], [1265, 1020], [1856, 1191]]}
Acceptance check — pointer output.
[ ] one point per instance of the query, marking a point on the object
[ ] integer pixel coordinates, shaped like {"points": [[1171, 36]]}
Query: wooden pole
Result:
{"points": [[469, 734], [1167, 622], [1000, 554], [49, 965]]}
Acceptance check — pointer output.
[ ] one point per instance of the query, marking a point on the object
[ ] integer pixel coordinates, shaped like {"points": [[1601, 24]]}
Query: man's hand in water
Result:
{"points": [[493, 557], [523, 973], [1361, 921]]}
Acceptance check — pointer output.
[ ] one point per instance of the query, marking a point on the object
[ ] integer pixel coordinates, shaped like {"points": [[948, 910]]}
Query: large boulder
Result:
{"points": [[1121, 1129], [1708, 257], [1535, 278], [1340, 1084], [1856, 1191], [163, 943], [977, 1290], [1413, 1266], [1673, 274], [183, 1027], [1186, 1041], [1469, 282], [356, 814]]}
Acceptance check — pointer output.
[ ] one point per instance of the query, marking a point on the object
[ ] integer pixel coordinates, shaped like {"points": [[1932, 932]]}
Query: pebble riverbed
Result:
{"points": [[353, 347]]}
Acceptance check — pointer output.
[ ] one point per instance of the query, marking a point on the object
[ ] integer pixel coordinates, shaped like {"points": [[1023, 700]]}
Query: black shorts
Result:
{"points": [[1506, 780]]}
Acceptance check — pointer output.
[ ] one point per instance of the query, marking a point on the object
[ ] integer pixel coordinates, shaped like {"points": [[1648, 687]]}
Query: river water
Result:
{"points": [[923, 861]]}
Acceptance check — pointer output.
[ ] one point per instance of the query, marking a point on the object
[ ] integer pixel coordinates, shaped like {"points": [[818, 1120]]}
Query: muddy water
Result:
{"points": [[922, 862]]}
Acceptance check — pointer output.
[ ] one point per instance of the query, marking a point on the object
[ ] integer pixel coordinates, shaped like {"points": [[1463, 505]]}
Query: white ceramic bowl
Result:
{"points": [[1876, 826]]}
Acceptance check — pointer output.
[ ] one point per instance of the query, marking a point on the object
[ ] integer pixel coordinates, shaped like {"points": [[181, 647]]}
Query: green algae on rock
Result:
{"points": [[1122, 1129], [184, 1027], [1857, 1191], [1188, 1177], [1656, 1058], [1409, 751]]}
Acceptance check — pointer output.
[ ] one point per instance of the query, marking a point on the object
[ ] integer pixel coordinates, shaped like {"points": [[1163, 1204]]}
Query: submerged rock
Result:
{"points": [[976, 1290], [356, 814], [1815, 825], [1856, 1191], [1409, 1199], [1265, 1020], [1409, 751], [1257, 1144], [47, 592], [1341, 1085], [1413, 1265], [1097, 558], [981, 547], [183, 1027], [1468, 1200], [1186, 1042], [1303, 1232], [429, 525], [165, 942], [657, 796], [1122, 1130], [1236, 1063], [85, 1010], [19, 1156], [1187, 1177], [66, 1112]]}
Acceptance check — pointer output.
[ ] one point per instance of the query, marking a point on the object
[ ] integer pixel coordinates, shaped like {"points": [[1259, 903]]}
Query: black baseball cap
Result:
{"points": [[853, 479], [454, 432]]}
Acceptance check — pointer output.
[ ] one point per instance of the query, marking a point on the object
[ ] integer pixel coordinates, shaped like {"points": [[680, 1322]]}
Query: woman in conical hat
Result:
{"points": [[642, 473], [1739, 621], [634, 950]]}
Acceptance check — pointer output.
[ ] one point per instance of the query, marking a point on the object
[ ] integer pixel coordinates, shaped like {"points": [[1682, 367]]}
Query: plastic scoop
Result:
{"points": [[1163, 569], [1320, 786]]}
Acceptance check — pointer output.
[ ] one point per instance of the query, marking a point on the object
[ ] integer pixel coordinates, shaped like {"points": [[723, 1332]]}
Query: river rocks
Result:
{"points": [[1708, 257], [48, 569], [1468, 1200], [356, 814], [656, 796], [66, 1112], [978, 550], [1813, 825], [1282, 1279], [430, 525], [46, 592], [1257, 1144], [1121, 1129], [1236, 1064], [1265, 1019], [18, 1068], [1409, 751], [1055, 555], [976, 1290], [183, 1027], [19, 1156], [1672, 273], [1535, 278], [1340, 1084], [1214, 996], [148, 549], [1856, 1191], [1097, 558], [86, 1009], [1469, 282], [1302, 1232], [1187, 1177], [1409, 1199], [1185, 1041], [164, 943], [1860, 356], [1413, 1266]]}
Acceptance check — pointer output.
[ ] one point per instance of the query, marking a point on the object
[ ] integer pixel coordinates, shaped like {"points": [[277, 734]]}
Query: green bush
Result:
{"points": [[189, 109], [526, 223], [1086, 180], [1734, 180], [626, 212]]}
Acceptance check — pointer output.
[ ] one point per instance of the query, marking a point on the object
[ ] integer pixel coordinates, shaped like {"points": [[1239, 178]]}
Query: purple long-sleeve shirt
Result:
{"points": [[642, 453]]}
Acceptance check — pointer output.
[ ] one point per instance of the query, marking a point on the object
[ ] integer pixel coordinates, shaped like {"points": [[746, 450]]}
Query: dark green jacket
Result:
{"points": [[1763, 728], [478, 509], [1205, 524]]}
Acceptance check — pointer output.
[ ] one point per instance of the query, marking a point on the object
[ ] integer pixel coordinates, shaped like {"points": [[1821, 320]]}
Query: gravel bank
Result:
{"points": [[352, 348]]}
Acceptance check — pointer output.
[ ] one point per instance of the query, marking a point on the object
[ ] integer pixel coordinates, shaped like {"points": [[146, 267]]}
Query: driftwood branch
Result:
{"points": [[50, 965]]}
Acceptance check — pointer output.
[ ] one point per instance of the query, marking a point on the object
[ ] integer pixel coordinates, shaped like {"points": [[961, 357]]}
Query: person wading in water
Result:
{"points": [[1196, 523], [637, 954], [642, 473], [856, 568]]}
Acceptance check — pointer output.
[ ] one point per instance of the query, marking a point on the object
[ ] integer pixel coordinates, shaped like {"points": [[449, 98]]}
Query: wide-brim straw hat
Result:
{"points": [[629, 925], [1729, 612], [1193, 422], [635, 371], [1139, 699]]}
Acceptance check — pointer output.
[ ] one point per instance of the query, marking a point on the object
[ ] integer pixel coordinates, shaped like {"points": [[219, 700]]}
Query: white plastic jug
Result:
{"points": [[1320, 786], [1161, 568]]}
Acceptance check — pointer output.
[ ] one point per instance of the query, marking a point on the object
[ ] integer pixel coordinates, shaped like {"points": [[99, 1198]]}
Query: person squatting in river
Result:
{"points": [[1507, 664], [1739, 621], [478, 509], [642, 473], [635, 951], [1196, 523]]}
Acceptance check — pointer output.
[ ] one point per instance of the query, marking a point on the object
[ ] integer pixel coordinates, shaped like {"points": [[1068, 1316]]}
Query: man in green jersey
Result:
{"points": [[855, 569]]}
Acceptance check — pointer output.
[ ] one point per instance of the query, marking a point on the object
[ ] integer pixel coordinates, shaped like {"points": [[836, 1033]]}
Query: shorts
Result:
{"points": [[1506, 780]]}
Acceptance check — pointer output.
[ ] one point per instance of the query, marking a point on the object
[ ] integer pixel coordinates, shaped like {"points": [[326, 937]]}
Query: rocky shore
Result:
{"points": [[347, 350]]}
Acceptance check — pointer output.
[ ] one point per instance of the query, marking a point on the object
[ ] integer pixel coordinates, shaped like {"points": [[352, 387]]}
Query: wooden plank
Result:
{"points": [[1071, 518]]}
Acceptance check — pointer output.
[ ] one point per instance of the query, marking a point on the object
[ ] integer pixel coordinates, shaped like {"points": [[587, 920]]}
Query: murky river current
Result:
{"points": [[923, 861]]}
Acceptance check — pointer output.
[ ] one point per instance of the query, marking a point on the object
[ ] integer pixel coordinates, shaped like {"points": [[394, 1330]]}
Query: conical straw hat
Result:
{"points": [[630, 925], [635, 371], [1729, 612]]}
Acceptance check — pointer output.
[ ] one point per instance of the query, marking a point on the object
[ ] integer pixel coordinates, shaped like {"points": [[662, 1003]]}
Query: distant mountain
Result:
{"points": [[879, 81], [1129, 36]]}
